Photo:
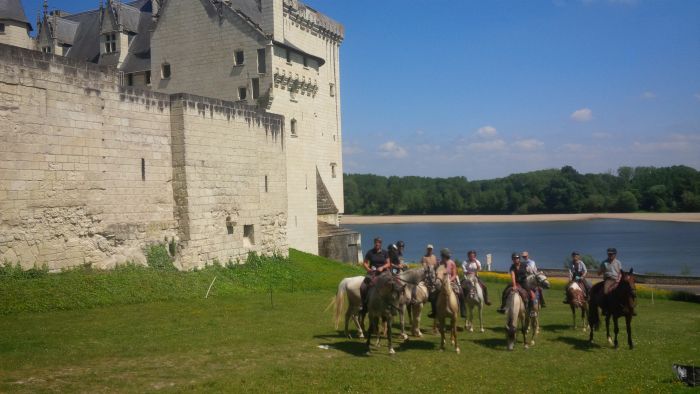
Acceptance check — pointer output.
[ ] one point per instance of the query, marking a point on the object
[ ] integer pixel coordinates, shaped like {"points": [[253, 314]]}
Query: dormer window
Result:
{"points": [[238, 58], [165, 71], [110, 42]]}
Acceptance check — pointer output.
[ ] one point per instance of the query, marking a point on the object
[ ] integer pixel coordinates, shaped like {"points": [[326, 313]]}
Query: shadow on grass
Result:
{"points": [[416, 345], [491, 343], [579, 343], [353, 348], [556, 327]]}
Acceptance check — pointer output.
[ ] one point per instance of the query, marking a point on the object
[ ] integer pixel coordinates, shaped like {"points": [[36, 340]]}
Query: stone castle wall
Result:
{"points": [[90, 171]]}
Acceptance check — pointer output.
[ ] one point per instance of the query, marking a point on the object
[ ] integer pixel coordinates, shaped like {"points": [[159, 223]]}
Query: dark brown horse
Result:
{"points": [[620, 302]]}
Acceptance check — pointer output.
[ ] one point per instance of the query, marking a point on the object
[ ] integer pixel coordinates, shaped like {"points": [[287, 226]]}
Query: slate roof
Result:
{"points": [[12, 10], [324, 201]]}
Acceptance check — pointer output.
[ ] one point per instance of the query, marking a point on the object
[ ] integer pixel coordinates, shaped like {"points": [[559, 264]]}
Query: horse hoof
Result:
{"points": [[610, 340], [471, 329], [368, 353], [532, 343], [404, 336], [457, 350], [391, 351], [482, 330], [361, 336], [527, 347]]}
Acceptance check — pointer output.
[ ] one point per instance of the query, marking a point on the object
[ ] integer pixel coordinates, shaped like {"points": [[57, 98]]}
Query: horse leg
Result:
{"points": [[469, 323], [481, 315], [369, 336], [607, 328], [628, 322], [454, 334], [402, 312], [360, 330], [617, 330], [441, 327], [388, 335], [417, 310], [535, 321], [573, 312], [348, 315], [584, 318]]}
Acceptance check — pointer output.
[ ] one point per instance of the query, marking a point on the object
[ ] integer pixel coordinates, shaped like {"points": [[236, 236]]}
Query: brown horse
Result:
{"points": [[577, 300], [620, 302]]}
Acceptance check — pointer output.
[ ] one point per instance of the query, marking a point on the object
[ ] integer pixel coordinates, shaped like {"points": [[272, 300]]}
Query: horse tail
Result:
{"points": [[339, 301]]}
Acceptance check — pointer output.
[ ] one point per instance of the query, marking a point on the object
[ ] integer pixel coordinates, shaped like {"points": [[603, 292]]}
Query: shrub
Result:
{"points": [[157, 257]]}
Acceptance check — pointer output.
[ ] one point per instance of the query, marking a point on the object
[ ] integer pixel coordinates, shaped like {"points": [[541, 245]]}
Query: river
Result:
{"points": [[647, 246]]}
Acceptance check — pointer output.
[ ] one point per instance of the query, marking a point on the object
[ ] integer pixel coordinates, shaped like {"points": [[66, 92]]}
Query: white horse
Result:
{"points": [[473, 297], [421, 297], [351, 288], [515, 317], [447, 307], [417, 281]]}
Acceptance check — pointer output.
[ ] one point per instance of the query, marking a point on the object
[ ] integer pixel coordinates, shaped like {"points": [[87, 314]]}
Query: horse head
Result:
{"points": [[470, 284], [542, 280], [628, 279], [429, 277]]}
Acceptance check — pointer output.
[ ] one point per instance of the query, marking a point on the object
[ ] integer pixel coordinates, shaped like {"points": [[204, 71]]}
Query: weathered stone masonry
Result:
{"points": [[93, 172]]}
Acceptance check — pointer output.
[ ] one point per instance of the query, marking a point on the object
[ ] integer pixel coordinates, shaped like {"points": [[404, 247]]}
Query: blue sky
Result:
{"points": [[487, 88]]}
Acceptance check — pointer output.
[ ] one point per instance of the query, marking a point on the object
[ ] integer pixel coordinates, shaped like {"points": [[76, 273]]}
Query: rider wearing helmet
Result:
{"points": [[396, 257], [518, 276], [473, 266], [531, 269], [577, 273]]}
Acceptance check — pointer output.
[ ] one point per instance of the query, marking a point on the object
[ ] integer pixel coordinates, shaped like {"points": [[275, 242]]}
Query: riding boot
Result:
{"points": [[502, 309], [486, 293], [462, 306], [433, 307]]}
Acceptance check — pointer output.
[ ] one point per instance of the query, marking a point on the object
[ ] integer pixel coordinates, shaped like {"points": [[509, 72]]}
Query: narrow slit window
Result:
{"points": [[332, 90], [293, 127], [229, 226], [165, 71], [242, 93], [266, 184], [148, 77], [130, 79], [248, 235], [143, 169], [2, 28], [262, 66], [288, 55], [333, 173], [238, 58], [306, 62], [256, 88]]}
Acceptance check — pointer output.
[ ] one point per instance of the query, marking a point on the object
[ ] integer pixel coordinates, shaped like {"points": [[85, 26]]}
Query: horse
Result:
{"points": [[351, 288], [413, 279], [515, 316], [620, 302], [447, 306], [473, 297], [532, 319], [577, 300], [382, 301]]}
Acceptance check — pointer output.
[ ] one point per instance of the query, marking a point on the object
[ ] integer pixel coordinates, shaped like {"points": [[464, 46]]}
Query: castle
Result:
{"points": [[213, 125]]}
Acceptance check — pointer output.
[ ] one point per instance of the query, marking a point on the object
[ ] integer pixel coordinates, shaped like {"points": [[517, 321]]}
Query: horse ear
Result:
{"points": [[631, 271]]}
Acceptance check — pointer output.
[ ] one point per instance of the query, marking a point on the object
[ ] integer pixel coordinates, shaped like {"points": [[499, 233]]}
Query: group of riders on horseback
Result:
{"points": [[377, 260]]}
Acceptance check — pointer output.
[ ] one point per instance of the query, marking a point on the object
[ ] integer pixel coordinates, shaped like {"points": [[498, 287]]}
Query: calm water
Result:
{"points": [[648, 246]]}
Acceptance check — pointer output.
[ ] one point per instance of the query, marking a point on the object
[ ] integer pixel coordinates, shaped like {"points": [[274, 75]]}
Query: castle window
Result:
{"points": [[266, 185], [293, 127], [110, 42], [333, 166], [306, 62], [332, 90], [130, 79], [148, 77], [248, 235], [262, 66], [46, 49], [143, 169], [242, 93], [256, 88], [165, 71], [2, 28], [238, 58], [229, 226], [288, 55]]}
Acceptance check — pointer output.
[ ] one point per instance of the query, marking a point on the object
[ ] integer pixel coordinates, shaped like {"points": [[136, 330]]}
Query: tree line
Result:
{"points": [[565, 190]]}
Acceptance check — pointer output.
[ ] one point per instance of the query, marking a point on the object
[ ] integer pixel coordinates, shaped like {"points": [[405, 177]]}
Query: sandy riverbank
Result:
{"points": [[664, 217]]}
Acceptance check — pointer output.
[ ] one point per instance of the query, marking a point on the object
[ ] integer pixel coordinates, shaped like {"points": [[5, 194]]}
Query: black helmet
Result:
{"points": [[515, 255], [612, 250], [392, 247], [400, 244]]}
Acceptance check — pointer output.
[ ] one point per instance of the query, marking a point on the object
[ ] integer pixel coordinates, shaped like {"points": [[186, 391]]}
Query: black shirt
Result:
{"points": [[520, 274], [376, 259]]}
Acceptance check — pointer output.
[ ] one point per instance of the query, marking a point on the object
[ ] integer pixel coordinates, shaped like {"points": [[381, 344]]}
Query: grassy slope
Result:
{"points": [[235, 341]]}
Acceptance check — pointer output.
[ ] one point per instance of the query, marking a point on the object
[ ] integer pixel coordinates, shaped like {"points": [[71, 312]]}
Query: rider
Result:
{"points": [[376, 261], [396, 258], [611, 269], [531, 269], [430, 261], [473, 266], [518, 276], [577, 273], [451, 267]]}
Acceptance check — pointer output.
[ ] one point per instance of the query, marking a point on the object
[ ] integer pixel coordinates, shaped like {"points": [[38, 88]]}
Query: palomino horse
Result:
{"points": [[515, 316], [447, 306], [382, 301], [413, 279], [577, 300], [351, 287], [516, 312], [473, 297], [620, 302]]}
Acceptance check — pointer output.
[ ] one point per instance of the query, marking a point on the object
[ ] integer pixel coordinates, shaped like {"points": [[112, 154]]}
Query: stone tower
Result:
{"points": [[14, 26]]}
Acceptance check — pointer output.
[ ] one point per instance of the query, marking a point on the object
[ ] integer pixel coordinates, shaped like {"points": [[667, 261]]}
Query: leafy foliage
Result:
{"points": [[668, 189]]}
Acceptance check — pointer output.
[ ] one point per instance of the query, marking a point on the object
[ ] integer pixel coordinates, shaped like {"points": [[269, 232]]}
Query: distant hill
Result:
{"points": [[565, 190]]}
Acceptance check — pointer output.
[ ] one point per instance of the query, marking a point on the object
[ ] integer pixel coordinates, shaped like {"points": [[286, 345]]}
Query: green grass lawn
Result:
{"points": [[170, 338]]}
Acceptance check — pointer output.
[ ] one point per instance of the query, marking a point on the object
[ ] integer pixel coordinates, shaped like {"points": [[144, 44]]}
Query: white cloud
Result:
{"points": [[489, 146], [528, 144], [392, 149], [582, 115], [674, 143], [648, 95], [487, 131], [573, 148], [427, 148]]}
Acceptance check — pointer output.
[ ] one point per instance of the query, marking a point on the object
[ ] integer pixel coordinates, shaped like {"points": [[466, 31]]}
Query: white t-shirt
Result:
{"points": [[469, 267]]}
